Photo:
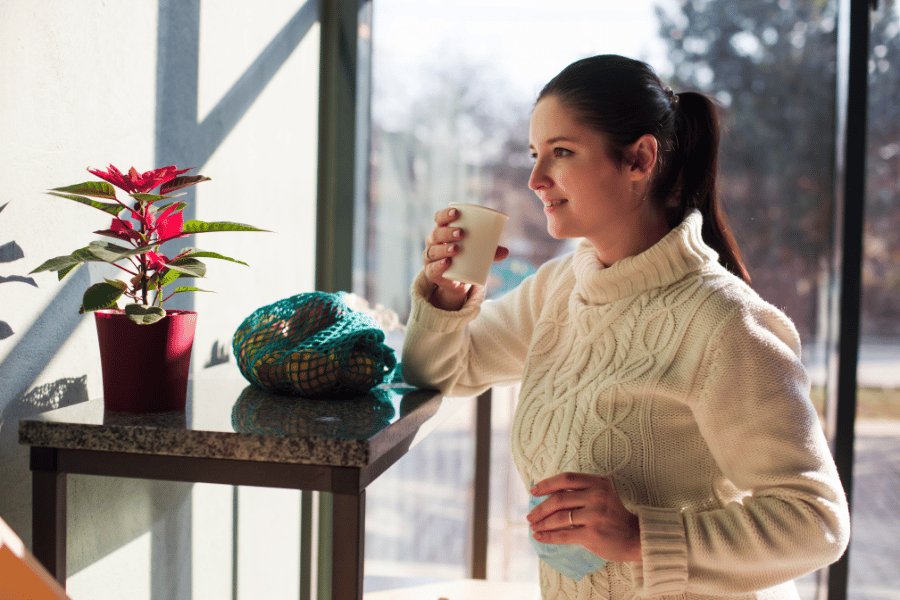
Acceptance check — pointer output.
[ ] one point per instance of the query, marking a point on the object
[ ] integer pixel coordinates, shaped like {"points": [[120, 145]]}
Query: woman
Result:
{"points": [[664, 412]]}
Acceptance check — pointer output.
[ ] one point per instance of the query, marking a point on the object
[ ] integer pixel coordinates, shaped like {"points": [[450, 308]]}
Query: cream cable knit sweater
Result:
{"points": [[672, 377]]}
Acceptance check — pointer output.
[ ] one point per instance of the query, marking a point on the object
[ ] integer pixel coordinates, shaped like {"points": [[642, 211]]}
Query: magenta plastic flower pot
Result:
{"points": [[145, 367]]}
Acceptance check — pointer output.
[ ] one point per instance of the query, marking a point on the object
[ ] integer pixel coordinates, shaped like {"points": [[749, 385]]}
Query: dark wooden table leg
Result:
{"points": [[48, 512], [348, 551]]}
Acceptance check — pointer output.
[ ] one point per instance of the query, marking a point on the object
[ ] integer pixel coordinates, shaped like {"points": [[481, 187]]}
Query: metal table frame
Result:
{"points": [[50, 467]]}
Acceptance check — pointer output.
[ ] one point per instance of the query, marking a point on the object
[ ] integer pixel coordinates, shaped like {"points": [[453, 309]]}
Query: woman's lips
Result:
{"points": [[552, 204]]}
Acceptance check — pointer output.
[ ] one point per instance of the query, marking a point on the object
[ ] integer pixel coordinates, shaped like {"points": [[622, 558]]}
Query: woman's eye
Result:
{"points": [[561, 152]]}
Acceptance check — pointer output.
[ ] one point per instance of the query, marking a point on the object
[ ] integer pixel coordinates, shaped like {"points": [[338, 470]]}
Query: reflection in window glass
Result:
{"points": [[453, 91]]}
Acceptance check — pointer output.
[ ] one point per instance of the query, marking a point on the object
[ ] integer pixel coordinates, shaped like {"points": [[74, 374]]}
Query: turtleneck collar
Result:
{"points": [[679, 252]]}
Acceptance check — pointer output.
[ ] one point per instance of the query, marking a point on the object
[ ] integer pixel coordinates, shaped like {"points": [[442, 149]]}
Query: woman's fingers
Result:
{"points": [[441, 242], [440, 247], [553, 512], [571, 495], [438, 252], [445, 216], [444, 235], [567, 481], [585, 509], [561, 519]]}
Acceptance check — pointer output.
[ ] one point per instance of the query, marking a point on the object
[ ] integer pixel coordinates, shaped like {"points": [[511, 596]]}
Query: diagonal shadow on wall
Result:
{"points": [[182, 140]]}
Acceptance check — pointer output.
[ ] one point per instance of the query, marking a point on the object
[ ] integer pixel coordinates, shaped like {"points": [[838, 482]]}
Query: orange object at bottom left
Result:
{"points": [[21, 575]]}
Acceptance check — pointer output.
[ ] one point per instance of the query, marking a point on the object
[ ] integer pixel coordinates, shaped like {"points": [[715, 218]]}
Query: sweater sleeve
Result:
{"points": [[484, 344], [751, 403]]}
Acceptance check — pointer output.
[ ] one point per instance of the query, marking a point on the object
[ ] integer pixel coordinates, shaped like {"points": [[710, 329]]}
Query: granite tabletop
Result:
{"points": [[228, 418]]}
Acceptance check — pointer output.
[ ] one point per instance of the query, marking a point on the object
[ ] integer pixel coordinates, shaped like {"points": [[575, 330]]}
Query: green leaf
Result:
{"points": [[181, 182], [109, 252], [194, 226], [144, 315], [102, 295], [205, 254], [188, 267], [67, 263], [95, 189], [147, 198], [169, 277], [117, 283], [57, 264], [86, 255], [181, 206], [65, 271], [185, 288], [113, 209]]}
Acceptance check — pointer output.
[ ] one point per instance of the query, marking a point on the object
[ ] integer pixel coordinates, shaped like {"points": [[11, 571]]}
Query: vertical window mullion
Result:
{"points": [[343, 123], [850, 186]]}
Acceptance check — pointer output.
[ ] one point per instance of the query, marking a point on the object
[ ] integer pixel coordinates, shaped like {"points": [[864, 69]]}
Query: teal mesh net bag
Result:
{"points": [[313, 345]]}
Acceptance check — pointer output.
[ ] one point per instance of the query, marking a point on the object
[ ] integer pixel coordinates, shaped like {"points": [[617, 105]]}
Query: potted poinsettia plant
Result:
{"points": [[144, 348]]}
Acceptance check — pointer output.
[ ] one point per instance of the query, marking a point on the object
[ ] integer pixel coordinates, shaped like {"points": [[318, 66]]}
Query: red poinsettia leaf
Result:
{"points": [[170, 222], [119, 235], [122, 230], [151, 179], [120, 225], [156, 261], [114, 176], [170, 210], [134, 177], [145, 219]]}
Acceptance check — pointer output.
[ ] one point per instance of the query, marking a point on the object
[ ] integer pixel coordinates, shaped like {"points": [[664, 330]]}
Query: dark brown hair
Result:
{"points": [[624, 99]]}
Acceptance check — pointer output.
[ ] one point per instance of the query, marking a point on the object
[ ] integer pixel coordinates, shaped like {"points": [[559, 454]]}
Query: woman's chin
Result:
{"points": [[557, 232]]}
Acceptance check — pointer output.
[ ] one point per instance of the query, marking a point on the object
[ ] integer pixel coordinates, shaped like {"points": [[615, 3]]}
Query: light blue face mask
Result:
{"points": [[572, 560]]}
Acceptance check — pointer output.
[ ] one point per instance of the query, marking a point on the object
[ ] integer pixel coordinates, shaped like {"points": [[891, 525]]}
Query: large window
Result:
{"points": [[453, 90]]}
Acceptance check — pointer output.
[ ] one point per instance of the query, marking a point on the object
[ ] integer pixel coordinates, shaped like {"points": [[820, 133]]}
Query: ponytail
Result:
{"points": [[624, 99], [691, 172]]}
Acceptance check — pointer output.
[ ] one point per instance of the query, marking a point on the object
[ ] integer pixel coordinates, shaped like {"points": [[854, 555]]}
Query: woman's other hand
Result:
{"points": [[441, 245], [585, 509]]}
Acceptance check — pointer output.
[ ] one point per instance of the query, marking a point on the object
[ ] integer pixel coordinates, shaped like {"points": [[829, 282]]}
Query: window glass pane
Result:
{"points": [[874, 562], [453, 91]]}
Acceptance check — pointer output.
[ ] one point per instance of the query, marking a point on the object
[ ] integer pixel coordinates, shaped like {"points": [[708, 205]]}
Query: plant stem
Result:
{"points": [[143, 273], [118, 266]]}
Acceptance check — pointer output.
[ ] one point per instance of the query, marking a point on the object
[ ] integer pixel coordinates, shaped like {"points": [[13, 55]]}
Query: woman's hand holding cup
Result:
{"points": [[441, 246]]}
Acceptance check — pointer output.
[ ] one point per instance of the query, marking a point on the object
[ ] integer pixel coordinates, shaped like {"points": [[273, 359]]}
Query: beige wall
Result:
{"points": [[225, 86]]}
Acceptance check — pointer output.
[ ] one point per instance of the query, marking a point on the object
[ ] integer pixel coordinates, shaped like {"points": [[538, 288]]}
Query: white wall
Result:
{"points": [[226, 86]]}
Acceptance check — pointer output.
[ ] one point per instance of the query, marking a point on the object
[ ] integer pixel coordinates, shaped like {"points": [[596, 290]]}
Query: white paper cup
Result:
{"points": [[482, 227]]}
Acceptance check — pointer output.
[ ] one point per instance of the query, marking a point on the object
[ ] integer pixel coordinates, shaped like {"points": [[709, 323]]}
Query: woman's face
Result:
{"points": [[584, 191]]}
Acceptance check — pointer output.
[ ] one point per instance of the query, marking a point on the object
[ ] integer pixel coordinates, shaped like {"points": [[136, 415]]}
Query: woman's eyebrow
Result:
{"points": [[555, 140]]}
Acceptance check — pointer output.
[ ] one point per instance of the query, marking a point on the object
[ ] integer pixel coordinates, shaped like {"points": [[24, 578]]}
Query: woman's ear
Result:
{"points": [[644, 154]]}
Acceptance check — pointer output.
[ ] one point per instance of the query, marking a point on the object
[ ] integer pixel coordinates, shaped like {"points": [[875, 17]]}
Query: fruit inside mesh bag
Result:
{"points": [[313, 345]]}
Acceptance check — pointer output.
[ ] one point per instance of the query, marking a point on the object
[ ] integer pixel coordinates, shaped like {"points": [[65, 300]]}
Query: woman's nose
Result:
{"points": [[539, 179]]}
